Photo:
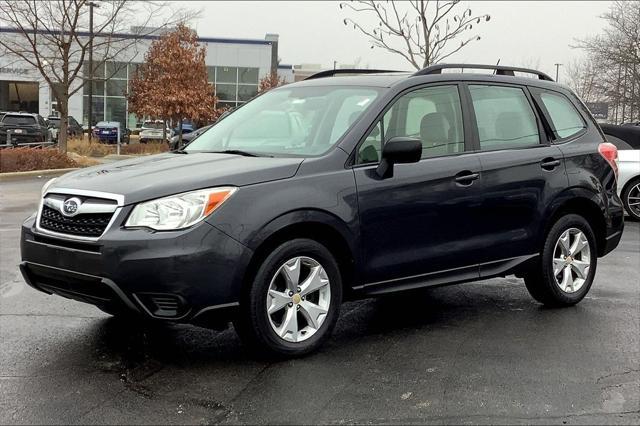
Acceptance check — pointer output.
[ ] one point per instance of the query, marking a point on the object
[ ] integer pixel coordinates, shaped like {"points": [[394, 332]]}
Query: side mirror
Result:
{"points": [[398, 150]]}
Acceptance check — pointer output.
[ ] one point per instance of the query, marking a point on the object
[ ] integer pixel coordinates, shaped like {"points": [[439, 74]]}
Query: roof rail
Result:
{"points": [[498, 69], [331, 73]]}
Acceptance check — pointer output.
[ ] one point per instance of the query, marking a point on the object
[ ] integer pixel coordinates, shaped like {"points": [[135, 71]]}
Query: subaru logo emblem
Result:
{"points": [[70, 206]]}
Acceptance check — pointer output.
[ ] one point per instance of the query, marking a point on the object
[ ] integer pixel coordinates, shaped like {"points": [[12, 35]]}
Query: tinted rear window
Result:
{"points": [[566, 120], [20, 120]]}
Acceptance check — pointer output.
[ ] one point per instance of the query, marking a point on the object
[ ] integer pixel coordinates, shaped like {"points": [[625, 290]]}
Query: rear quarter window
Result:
{"points": [[565, 119]]}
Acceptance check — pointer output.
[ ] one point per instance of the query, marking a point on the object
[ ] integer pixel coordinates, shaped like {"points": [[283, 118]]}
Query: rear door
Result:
{"points": [[522, 172], [421, 219]]}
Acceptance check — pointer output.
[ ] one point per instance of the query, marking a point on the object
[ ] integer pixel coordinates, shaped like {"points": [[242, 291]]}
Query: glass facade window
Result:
{"points": [[116, 110], [97, 112], [226, 75], [116, 87], [247, 92], [211, 74], [98, 88], [116, 70], [248, 75], [233, 86], [226, 92]]}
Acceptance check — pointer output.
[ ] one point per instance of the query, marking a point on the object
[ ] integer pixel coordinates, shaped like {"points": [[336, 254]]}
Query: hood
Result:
{"points": [[154, 176]]}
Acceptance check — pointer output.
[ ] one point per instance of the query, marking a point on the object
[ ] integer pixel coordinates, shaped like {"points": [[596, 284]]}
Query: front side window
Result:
{"points": [[433, 115], [304, 121], [566, 121], [504, 117]]}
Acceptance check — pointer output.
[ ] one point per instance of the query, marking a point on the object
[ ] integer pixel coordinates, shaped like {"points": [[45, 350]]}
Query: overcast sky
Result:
{"points": [[519, 33]]}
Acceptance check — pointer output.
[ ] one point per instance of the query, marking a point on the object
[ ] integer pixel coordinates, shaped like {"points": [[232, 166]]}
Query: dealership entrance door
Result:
{"points": [[19, 96]]}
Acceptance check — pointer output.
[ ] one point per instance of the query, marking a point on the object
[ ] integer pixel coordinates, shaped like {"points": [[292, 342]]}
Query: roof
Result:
{"points": [[151, 37], [372, 80], [395, 78], [32, 114]]}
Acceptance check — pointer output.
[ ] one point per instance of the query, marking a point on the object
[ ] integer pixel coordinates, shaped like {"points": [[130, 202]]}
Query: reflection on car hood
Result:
{"points": [[149, 177]]}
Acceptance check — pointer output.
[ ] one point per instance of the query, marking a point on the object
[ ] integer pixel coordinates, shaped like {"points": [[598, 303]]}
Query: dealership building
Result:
{"points": [[234, 66]]}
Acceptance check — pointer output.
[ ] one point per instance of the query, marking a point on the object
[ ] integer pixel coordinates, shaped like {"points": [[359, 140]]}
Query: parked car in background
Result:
{"points": [[187, 127], [186, 138], [74, 129], [107, 132], [627, 139], [22, 127], [151, 131]]}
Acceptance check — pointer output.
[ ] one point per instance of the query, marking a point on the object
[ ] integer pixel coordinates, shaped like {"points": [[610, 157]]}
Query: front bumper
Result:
{"points": [[188, 276]]}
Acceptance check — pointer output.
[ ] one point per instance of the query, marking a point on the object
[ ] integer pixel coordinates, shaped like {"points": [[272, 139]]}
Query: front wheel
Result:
{"points": [[631, 198], [294, 300], [567, 264]]}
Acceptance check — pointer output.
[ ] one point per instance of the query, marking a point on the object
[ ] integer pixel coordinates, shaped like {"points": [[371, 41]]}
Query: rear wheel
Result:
{"points": [[631, 198], [567, 264], [294, 300]]}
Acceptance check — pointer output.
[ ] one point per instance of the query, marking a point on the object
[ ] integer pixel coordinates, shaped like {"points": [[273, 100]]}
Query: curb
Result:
{"points": [[34, 173]]}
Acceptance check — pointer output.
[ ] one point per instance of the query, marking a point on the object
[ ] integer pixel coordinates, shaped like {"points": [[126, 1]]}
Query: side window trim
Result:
{"points": [[536, 92], [380, 118], [472, 114]]}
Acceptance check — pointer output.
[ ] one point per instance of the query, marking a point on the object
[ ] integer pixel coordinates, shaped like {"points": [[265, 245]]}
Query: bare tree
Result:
{"points": [[423, 32], [53, 37], [615, 55], [583, 79]]}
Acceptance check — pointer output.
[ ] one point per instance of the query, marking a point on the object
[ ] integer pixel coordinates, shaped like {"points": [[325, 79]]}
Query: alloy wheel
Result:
{"points": [[571, 260], [298, 299], [633, 200]]}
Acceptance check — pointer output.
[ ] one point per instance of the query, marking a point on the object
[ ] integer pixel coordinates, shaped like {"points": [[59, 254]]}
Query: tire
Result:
{"points": [[257, 328], [547, 288], [632, 189]]}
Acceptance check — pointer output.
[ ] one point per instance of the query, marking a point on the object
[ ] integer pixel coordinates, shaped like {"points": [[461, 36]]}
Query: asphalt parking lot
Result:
{"points": [[475, 353]]}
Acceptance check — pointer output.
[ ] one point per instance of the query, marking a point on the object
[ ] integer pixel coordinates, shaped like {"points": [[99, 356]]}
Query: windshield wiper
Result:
{"points": [[179, 151], [239, 152]]}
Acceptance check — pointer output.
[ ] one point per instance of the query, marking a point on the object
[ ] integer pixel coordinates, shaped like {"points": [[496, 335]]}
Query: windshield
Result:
{"points": [[20, 120], [54, 122], [303, 121], [152, 125]]}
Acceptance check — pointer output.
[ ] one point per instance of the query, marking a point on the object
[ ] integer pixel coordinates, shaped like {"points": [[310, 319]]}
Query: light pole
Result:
{"points": [[557, 70], [90, 106]]}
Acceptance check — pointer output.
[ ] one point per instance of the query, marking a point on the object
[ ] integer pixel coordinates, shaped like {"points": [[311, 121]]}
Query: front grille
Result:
{"points": [[85, 225]]}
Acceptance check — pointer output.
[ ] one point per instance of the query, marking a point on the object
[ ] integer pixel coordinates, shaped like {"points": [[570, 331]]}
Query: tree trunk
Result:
{"points": [[63, 108], [180, 135]]}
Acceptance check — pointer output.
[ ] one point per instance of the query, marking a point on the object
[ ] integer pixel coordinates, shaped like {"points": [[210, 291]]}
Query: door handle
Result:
{"points": [[549, 163], [466, 178]]}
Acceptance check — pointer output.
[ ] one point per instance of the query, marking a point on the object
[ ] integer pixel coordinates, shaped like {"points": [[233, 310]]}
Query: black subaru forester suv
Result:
{"points": [[335, 188]]}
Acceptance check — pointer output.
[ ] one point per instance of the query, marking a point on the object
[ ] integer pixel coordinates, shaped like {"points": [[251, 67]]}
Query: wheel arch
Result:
{"points": [[317, 225], [628, 183], [584, 203]]}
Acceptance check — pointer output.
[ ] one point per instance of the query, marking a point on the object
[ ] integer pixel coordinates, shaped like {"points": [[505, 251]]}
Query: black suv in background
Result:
{"points": [[22, 127], [74, 129], [335, 188]]}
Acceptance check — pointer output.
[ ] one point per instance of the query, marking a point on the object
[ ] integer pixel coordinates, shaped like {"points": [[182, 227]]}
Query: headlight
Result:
{"points": [[47, 185], [178, 211]]}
